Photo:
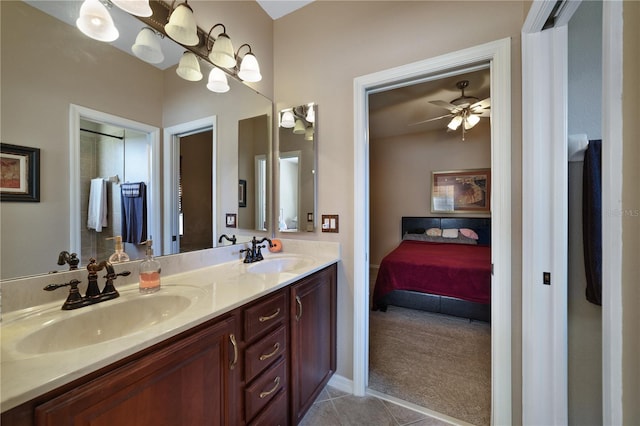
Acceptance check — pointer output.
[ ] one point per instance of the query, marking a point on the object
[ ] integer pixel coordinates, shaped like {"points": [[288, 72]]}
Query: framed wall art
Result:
{"points": [[19, 173], [242, 193], [461, 191]]}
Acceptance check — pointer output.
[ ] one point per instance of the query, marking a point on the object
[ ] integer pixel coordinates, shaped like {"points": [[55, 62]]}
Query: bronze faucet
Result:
{"points": [[254, 254], [93, 295], [70, 258]]}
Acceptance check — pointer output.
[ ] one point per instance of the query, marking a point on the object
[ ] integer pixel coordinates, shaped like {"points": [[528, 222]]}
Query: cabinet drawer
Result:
{"points": [[263, 353], [276, 413], [264, 389], [264, 315]]}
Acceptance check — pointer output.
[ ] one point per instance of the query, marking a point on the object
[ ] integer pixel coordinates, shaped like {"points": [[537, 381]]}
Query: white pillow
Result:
{"points": [[450, 233]]}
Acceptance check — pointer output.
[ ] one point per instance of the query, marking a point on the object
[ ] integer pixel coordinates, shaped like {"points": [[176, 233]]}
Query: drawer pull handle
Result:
{"points": [[269, 392], [233, 363], [270, 317], [299, 314], [276, 348]]}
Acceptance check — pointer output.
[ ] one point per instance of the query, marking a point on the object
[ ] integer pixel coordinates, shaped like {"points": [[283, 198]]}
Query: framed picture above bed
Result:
{"points": [[461, 191]]}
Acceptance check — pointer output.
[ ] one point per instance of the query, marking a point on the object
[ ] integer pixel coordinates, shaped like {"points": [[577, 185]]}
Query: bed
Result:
{"points": [[448, 276]]}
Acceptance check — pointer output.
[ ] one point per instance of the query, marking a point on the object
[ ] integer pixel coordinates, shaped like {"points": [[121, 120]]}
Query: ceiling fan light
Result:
{"points": [[455, 122], [134, 7], [218, 81], [189, 67], [287, 121], [147, 46], [299, 127], [182, 26], [471, 121], [95, 21]]}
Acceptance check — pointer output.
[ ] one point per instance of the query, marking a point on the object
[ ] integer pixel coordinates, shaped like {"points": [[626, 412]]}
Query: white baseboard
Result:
{"points": [[341, 383]]}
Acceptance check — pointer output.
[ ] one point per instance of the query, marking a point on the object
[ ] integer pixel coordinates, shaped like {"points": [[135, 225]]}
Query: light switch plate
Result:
{"points": [[330, 223]]}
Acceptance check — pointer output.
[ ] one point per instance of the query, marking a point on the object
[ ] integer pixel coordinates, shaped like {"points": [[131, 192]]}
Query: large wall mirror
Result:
{"points": [[125, 107], [297, 136]]}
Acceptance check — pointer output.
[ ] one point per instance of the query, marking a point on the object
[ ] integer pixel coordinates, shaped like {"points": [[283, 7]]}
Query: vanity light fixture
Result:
{"points": [[287, 121], [218, 81], [147, 46], [189, 67], [95, 21], [135, 7], [299, 127], [308, 133], [221, 51], [311, 113], [249, 68], [182, 25]]}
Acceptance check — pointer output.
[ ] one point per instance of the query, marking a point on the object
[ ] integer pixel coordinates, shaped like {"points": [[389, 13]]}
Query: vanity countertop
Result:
{"points": [[211, 291]]}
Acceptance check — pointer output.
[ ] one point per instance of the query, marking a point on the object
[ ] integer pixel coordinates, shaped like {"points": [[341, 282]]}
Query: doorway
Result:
{"points": [[498, 55], [420, 351]]}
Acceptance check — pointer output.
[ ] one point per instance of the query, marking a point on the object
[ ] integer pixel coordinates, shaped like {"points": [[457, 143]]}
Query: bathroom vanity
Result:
{"points": [[262, 350]]}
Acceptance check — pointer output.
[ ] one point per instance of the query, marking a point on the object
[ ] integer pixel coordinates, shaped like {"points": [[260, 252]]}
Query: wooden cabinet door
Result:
{"points": [[192, 381], [313, 338]]}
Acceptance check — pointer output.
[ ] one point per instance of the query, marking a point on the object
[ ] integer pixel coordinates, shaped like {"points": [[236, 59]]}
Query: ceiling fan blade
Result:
{"points": [[431, 119], [446, 105], [483, 104]]}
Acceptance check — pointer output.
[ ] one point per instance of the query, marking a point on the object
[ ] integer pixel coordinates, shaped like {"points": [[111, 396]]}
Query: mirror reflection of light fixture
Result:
{"points": [[308, 133], [95, 21], [299, 128], [134, 7], [221, 52], [182, 25], [189, 67], [287, 121], [249, 67], [311, 113], [147, 46], [218, 81]]}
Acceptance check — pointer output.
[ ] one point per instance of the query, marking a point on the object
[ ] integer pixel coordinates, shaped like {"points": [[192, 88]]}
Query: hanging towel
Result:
{"points": [[134, 212], [592, 220], [97, 212]]}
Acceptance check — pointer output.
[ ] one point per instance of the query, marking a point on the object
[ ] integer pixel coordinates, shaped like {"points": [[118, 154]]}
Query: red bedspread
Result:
{"points": [[455, 270]]}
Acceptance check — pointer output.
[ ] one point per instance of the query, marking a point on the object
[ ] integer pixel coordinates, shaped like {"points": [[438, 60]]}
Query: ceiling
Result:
{"points": [[279, 8], [392, 112]]}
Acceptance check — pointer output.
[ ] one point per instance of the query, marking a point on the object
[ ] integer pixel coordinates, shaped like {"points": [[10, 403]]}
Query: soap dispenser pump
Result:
{"points": [[149, 271], [119, 255]]}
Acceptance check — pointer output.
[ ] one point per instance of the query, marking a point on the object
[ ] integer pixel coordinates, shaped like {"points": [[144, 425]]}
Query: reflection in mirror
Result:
{"points": [[297, 168], [253, 148], [101, 77]]}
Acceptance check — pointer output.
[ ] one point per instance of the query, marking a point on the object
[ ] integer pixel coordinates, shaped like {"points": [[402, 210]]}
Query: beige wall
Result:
{"points": [[631, 220], [321, 48], [400, 177]]}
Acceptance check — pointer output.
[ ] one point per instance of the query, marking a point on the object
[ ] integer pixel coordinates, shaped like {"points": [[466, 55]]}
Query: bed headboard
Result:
{"points": [[482, 225]]}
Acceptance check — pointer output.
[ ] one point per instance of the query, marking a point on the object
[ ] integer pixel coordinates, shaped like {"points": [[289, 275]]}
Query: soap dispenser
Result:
{"points": [[149, 272], [119, 255]]}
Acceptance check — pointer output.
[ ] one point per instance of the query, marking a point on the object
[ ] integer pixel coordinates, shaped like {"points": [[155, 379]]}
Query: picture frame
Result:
{"points": [[19, 173], [461, 191], [242, 193]]}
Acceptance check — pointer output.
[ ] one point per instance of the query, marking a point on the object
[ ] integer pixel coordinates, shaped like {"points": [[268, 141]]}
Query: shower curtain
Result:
{"points": [[592, 220]]}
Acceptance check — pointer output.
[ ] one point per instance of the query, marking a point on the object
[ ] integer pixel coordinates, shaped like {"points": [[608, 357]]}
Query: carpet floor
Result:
{"points": [[439, 362]]}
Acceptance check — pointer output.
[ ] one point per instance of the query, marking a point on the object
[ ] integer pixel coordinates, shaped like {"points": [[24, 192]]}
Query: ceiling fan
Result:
{"points": [[464, 111]]}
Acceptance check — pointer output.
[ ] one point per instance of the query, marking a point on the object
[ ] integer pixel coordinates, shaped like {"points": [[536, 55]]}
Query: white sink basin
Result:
{"points": [[58, 330], [275, 265]]}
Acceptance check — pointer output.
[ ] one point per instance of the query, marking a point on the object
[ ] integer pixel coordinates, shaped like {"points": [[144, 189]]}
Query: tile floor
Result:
{"points": [[336, 408]]}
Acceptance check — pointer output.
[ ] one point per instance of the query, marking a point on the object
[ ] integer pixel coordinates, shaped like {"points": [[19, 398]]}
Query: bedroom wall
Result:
{"points": [[400, 177], [584, 318], [320, 49]]}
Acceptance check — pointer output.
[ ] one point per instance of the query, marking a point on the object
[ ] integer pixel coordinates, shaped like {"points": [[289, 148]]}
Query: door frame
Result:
{"points": [[498, 55], [77, 113], [171, 155]]}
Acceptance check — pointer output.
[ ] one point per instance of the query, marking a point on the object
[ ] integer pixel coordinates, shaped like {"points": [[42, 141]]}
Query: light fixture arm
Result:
{"points": [[172, 8], [238, 51], [209, 38]]}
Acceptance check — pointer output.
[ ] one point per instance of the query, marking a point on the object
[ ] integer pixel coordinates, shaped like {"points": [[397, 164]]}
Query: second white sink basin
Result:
{"points": [[61, 331], [277, 264]]}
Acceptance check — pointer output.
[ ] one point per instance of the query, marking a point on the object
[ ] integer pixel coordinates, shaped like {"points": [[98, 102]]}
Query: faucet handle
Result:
{"points": [[74, 299]]}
